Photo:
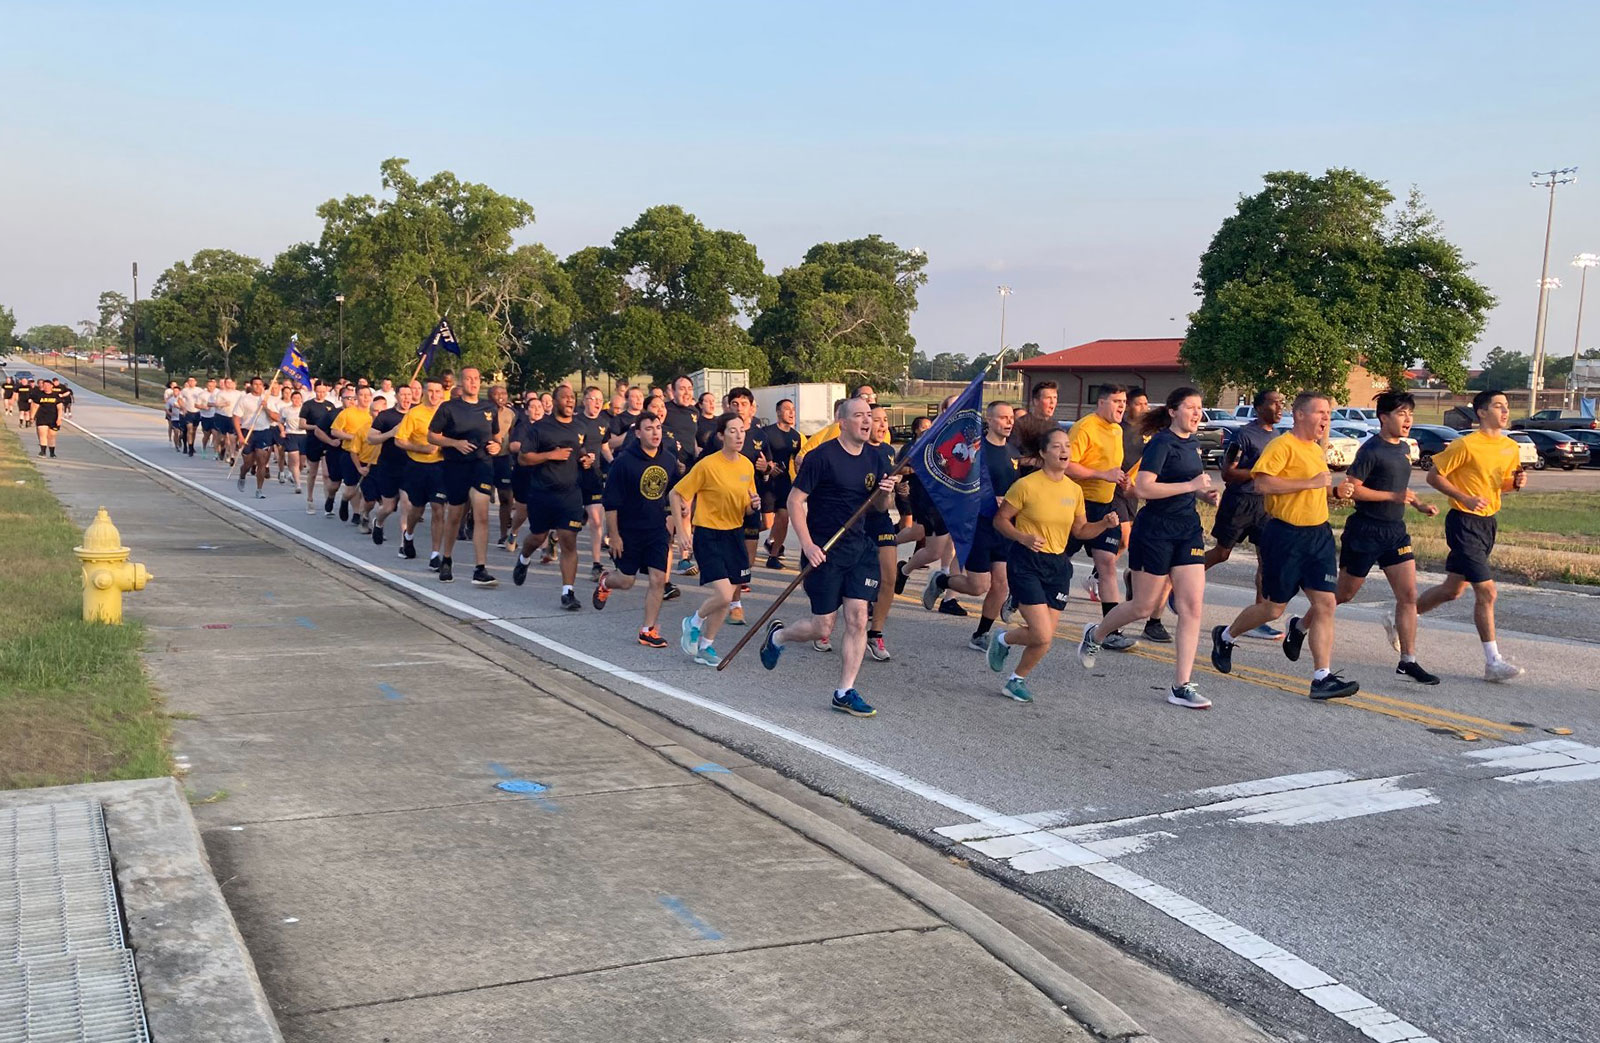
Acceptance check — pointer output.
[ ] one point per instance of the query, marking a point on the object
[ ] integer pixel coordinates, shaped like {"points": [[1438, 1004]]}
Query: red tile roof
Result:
{"points": [[1151, 354]]}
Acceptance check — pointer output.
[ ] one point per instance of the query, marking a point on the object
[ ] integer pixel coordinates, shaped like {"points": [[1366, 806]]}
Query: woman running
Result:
{"points": [[1167, 542], [722, 485], [293, 429], [1042, 511]]}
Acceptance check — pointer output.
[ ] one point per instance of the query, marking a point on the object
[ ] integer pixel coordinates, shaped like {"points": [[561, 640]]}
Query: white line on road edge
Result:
{"points": [[1315, 984]]}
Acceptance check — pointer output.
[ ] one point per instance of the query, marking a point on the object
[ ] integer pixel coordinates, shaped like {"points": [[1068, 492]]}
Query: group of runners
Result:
{"points": [[664, 476], [41, 404]]}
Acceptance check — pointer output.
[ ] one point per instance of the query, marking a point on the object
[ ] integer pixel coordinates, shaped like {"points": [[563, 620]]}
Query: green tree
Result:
{"points": [[8, 327], [211, 290], [439, 248], [1503, 369], [1312, 276], [846, 306], [113, 310], [49, 338], [1557, 370]]}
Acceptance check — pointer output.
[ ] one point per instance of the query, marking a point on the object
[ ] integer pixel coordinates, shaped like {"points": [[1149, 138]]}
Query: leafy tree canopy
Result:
{"points": [[8, 327], [48, 338], [1313, 275]]}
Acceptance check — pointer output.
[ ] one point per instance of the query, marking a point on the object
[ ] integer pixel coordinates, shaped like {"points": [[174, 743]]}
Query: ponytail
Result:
{"points": [[1160, 418]]}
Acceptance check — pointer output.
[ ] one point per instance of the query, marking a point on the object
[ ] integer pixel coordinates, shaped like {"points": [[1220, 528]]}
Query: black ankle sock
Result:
{"points": [[984, 625], [1106, 607]]}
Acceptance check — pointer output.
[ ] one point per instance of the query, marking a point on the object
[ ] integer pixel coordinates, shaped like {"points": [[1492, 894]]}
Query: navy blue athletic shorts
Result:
{"points": [[644, 549], [1037, 578], [424, 483], [1156, 551], [464, 476], [1368, 542], [1109, 541], [989, 548], [721, 554], [555, 511], [851, 571], [1470, 538], [1296, 558]]}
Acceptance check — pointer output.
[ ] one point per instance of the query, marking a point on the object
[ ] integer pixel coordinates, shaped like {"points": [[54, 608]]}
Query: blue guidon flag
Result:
{"points": [[294, 363], [948, 461], [441, 337]]}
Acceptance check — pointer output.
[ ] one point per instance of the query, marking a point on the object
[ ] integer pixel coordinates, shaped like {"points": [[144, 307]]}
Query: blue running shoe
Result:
{"points": [[770, 649], [1017, 689], [690, 641], [707, 656], [852, 704], [998, 654], [1265, 632]]}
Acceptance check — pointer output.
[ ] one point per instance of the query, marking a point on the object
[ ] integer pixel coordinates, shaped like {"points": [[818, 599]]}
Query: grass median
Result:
{"points": [[75, 703]]}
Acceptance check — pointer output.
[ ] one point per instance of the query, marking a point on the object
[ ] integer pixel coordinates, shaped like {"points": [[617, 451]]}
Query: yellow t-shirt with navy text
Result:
{"points": [[1479, 465], [721, 490], [1046, 508], [1289, 457], [353, 424], [1096, 443]]}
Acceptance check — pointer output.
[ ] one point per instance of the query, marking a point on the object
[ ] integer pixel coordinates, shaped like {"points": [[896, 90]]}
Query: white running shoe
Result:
{"points": [[1389, 628], [1502, 669]]}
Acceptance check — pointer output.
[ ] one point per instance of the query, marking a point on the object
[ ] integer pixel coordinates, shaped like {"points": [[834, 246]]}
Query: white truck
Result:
{"points": [[813, 403]]}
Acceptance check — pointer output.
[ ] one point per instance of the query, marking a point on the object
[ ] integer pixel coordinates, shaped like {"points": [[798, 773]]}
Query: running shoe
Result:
{"points": [[408, 548], [327, 507], [1008, 609], [240, 482], [1389, 629], [1189, 696], [878, 650], [1502, 669], [547, 557], [1415, 671], [366, 525], [652, 638], [687, 567], [707, 656], [670, 592], [930, 593], [511, 543], [998, 654], [900, 578], [310, 507], [1265, 632], [1091, 587], [519, 571], [280, 477], [259, 494], [1293, 638], [596, 570], [770, 649], [1017, 689], [1088, 647], [344, 510], [689, 641], [434, 562], [1221, 651], [822, 645], [951, 607], [1117, 641], [569, 601], [1155, 630], [979, 642], [377, 535], [481, 577], [1333, 687], [852, 704], [602, 591], [446, 572], [775, 562], [736, 616]]}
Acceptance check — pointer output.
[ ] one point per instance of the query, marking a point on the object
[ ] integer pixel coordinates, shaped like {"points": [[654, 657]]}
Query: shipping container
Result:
{"points": [[813, 404], [719, 382]]}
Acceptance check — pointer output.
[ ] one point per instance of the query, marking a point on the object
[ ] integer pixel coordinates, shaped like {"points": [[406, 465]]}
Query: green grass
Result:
{"points": [[75, 704]]}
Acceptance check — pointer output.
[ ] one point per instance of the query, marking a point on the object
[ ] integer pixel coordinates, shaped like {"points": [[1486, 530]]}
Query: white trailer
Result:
{"points": [[719, 382], [813, 403]]}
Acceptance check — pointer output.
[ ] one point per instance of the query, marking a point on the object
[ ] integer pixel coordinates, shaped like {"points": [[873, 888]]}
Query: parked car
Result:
{"points": [[1527, 451], [24, 374], [1367, 418], [1215, 414], [1431, 439], [1555, 420], [1341, 449], [1558, 449], [1592, 440], [1244, 411], [1361, 433]]}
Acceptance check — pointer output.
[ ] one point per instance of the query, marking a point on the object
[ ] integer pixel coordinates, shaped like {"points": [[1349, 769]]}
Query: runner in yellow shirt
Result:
{"points": [[722, 485], [423, 483], [1097, 467], [1474, 471]]}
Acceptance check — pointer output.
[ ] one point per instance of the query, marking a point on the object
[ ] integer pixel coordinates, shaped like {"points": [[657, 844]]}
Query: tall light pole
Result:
{"points": [[133, 331], [1583, 262], [1004, 291], [1544, 179], [340, 298]]}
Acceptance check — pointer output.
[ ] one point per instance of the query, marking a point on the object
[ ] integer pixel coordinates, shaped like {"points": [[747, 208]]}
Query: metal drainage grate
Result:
{"points": [[52, 839], [54, 916], [88, 998]]}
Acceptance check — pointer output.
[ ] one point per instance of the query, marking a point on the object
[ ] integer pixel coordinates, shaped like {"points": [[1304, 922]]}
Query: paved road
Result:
{"points": [[1421, 861]]}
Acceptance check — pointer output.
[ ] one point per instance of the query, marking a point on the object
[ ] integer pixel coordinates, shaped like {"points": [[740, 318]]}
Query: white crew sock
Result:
{"points": [[1227, 636], [1016, 676], [697, 621], [1491, 651], [1320, 674], [1406, 657], [705, 642], [566, 588], [1000, 638], [735, 603]]}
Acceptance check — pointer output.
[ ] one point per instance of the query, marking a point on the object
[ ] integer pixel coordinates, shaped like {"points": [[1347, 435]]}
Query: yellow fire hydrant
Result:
{"points": [[107, 572]]}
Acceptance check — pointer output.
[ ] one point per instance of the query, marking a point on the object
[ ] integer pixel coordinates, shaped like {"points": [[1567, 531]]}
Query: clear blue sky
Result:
{"points": [[1083, 154]]}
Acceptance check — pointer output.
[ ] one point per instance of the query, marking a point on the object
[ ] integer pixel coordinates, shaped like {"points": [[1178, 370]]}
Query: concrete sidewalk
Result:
{"points": [[348, 746]]}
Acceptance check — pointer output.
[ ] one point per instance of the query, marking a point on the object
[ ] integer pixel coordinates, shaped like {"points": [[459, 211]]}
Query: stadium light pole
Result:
{"points": [[1004, 291], [1544, 179], [340, 298], [1582, 262], [133, 331]]}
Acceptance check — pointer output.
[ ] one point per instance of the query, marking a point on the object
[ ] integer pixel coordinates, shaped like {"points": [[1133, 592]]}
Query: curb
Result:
{"points": [[1075, 997]]}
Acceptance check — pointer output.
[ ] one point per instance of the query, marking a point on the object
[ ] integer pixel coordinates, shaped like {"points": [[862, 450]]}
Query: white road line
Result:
{"points": [[1276, 784], [1281, 964], [1548, 760]]}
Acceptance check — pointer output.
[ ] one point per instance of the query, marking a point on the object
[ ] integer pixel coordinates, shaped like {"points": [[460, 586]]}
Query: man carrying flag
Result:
{"points": [[294, 364]]}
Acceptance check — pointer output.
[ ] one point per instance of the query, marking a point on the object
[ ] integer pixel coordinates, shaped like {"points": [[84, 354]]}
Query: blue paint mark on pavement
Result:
{"points": [[303, 621], [525, 787], [711, 768], [521, 786], [390, 692], [679, 909]]}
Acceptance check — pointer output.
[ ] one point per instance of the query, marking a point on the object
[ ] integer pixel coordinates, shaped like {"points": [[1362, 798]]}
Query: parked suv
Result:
{"points": [[1558, 449]]}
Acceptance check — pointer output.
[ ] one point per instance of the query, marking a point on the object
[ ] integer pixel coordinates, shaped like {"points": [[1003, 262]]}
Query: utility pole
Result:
{"points": [[340, 298], [1545, 179], [133, 331], [1583, 262]]}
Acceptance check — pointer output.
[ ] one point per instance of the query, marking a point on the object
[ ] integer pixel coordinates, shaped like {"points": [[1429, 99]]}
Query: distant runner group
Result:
{"points": [[662, 476]]}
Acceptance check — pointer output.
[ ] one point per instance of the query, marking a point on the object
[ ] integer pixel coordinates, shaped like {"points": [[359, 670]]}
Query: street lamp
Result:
{"points": [[1545, 179], [1582, 262], [340, 298], [133, 331]]}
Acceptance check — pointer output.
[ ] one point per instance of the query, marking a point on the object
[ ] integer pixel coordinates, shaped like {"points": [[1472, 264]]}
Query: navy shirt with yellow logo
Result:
{"points": [[637, 486]]}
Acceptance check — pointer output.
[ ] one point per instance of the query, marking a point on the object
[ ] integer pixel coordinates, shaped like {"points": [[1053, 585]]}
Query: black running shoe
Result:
{"points": [[1221, 651], [327, 506], [519, 571], [408, 548], [434, 561], [1415, 671], [377, 535], [595, 569], [951, 607], [900, 578], [1155, 631], [1293, 637], [1333, 687], [774, 562], [569, 602], [344, 510], [446, 573], [481, 577], [670, 592]]}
